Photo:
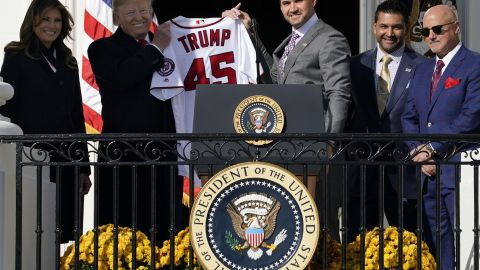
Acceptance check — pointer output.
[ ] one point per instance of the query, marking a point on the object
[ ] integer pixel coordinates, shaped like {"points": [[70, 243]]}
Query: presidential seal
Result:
{"points": [[256, 216], [258, 114]]}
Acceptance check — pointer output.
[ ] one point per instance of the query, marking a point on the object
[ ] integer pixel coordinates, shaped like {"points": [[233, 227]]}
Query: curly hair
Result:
{"points": [[30, 43]]}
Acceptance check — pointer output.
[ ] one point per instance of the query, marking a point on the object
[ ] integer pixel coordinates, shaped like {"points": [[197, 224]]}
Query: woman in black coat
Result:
{"points": [[47, 99]]}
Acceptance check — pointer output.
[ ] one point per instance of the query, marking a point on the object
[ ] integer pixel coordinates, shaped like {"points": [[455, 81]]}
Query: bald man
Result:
{"points": [[444, 98]]}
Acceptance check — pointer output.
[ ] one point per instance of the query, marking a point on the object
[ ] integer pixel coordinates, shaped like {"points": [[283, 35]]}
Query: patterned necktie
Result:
{"points": [[383, 91], [143, 43], [288, 49], [436, 77]]}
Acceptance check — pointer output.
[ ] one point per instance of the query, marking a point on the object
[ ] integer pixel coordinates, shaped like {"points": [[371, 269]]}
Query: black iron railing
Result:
{"points": [[304, 154]]}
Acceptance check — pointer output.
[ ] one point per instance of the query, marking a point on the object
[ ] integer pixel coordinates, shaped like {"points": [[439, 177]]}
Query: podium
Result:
{"points": [[303, 111]]}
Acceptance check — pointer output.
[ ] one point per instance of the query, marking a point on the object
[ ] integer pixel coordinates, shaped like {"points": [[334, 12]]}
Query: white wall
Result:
{"points": [[12, 13], [470, 20]]}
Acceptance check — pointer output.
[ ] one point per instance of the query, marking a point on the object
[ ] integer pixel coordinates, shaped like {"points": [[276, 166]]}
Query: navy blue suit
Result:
{"points": [[454, 108], [367, 119]]}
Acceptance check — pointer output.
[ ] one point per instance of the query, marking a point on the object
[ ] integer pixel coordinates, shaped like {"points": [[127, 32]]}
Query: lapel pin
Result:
{"points": [[304, 44], [408, 69]]}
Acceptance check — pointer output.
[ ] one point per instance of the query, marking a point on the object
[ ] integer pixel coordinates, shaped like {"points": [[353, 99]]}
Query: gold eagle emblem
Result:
{"points": [[254, 218]]}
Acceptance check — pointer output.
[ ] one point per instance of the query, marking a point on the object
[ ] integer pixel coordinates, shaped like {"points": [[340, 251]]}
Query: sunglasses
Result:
{"points": [[437, 29]]}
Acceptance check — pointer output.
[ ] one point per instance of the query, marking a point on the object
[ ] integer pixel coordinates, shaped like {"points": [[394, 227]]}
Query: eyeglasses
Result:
{"points": [[437, 29]]}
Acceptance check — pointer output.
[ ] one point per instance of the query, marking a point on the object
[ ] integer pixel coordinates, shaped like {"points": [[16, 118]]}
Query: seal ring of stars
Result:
{"points": [[258, 104], [280, 191]]}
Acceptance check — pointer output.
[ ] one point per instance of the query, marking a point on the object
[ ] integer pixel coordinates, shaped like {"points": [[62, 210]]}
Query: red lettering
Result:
{"points": [[225, 36], [192, 41]]}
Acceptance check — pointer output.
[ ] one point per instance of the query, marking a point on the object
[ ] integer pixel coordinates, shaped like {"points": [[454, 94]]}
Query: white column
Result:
{"points": [[29, 201], [467, 210], [7, 184], [7, 128]]}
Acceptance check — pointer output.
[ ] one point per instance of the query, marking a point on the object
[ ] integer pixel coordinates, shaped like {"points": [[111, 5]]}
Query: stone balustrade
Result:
{"points": [[6, 127]]}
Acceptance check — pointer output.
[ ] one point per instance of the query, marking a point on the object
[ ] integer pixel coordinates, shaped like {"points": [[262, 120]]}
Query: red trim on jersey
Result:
{"points": [[199, 26]]}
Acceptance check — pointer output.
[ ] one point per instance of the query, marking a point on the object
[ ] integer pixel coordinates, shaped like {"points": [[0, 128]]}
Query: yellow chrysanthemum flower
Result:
{"points": [[105, 249], [390, 248]]}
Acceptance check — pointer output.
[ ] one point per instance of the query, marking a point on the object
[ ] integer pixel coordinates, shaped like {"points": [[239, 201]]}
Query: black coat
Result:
{"points": [[45, 102], [48, 102], [123, 71]]}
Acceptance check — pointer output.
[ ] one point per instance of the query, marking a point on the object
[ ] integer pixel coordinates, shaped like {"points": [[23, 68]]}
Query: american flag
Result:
{"points": [[98, 23]]}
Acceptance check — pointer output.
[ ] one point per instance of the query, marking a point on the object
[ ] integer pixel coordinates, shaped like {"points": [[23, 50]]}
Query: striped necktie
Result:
{"points": [[436, 77]]}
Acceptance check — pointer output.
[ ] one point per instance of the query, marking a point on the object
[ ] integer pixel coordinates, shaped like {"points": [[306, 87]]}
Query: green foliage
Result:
{"points": [[231, 240]]}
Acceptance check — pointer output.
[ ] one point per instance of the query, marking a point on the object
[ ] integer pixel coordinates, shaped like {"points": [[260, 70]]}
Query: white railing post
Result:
{"points": [[7, 184], [7, 128]]}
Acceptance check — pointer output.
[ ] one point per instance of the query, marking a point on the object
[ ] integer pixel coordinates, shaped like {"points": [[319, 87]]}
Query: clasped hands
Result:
{"points": [[421, 154]]}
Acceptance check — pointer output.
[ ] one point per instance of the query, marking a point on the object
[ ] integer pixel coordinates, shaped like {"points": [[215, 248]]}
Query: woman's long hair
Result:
{"points": [[29, 42]]}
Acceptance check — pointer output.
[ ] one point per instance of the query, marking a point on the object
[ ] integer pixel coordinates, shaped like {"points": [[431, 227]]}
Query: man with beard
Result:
{"points": [[380, 80]]}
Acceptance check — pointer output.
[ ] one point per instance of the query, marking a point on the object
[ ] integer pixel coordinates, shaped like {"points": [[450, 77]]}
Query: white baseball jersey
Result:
{"points": [[202, 51]]}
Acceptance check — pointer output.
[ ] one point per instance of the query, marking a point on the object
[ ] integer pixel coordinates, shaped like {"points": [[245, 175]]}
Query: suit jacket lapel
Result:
{"points": [[457, 60], [301, 45], [401, 80]]}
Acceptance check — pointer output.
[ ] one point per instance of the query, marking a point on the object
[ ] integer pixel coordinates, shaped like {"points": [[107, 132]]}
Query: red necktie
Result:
{"points": [[436, 77], [142, 42]]}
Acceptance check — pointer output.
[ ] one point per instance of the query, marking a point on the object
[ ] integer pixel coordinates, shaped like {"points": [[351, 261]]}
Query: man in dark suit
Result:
{"points": [[444, 97], [123, 65], [378, 104], [314, 53]]}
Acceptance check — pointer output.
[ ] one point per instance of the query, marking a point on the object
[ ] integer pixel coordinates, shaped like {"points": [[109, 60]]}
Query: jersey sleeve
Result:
{"points": [[246, 56], [167, 82]]}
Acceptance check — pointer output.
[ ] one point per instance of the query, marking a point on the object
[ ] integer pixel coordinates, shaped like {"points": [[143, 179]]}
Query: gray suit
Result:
{"points": [[321, 56]]}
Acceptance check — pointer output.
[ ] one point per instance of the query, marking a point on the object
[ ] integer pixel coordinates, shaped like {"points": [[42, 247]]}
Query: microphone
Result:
{"points": [[254, 27], [254, 30]]}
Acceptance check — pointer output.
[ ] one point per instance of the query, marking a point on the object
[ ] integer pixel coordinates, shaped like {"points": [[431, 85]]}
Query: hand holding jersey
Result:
{"points": [[202, 51], [162, 37], [237, 14]]}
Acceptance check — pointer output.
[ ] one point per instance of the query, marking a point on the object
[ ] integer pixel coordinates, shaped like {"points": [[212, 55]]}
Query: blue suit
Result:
{"points": [[367, 119], [454, 108]]}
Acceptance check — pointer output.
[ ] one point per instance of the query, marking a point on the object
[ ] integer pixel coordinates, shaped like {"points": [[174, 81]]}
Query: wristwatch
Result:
{"points": [[430, 148]]}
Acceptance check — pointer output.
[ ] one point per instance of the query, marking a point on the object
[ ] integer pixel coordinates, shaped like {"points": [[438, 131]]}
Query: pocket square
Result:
{"points": [[451, 82]]}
